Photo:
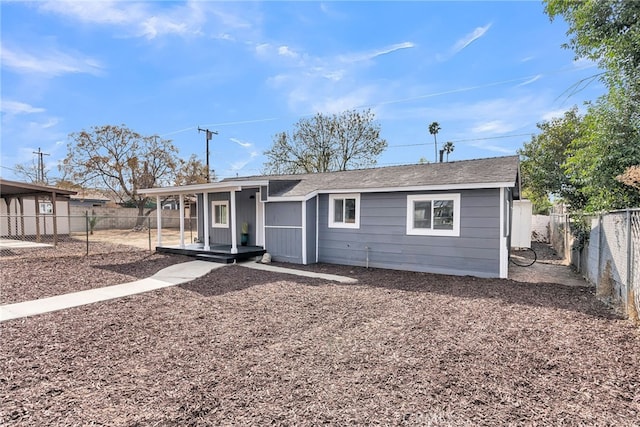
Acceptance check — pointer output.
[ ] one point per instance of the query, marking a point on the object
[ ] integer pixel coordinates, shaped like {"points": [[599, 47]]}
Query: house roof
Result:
{"points": [[495, 172], [91, 195], [481, 173], [23, 189]]}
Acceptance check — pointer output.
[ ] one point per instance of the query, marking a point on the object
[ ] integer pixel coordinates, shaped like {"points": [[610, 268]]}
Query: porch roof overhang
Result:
{"points": [[22, 189], [212, 187]]}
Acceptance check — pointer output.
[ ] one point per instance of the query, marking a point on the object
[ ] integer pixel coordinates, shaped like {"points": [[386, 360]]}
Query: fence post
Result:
{"points": [[599, 251], [630, 299], [86, 228]]}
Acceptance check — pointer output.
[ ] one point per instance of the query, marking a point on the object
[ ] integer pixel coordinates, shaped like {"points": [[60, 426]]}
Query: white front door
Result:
{"points": [[259, 221]]}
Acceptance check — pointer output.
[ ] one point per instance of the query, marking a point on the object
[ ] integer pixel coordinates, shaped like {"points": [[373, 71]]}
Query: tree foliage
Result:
{"points": [[604, 31], [434, 128], [583, 170], [631, 177], [448, 148], [29, 172], [326, 143], [192, 171], [607, 146], [544, 159], [120, 160]]}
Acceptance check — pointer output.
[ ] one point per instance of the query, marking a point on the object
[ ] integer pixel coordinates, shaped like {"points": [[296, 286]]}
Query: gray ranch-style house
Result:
{"points": [[448, 218]]}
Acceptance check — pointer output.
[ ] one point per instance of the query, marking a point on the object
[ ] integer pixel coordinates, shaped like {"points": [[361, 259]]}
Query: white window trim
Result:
{"points": [[455, 232], [215, 203], [332, 223]]}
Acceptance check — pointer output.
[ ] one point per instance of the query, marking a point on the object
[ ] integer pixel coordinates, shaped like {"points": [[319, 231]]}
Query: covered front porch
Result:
{"points": [[230, 220]]}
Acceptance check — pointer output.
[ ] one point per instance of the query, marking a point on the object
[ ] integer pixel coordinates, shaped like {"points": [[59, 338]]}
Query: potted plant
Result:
{"points": [[244, 235]]}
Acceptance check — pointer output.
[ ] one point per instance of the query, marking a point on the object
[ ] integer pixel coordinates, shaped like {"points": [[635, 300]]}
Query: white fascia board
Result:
{"points": [[421, 188], [201, 188], [292, 198], [439, 187]]}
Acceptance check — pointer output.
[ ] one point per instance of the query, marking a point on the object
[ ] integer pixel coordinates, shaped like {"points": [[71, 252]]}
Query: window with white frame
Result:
{"points": [[433, 215], [220, 209], [344, 210]]}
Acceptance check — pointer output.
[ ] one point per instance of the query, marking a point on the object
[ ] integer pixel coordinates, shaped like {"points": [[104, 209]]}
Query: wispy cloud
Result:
{"points": [[241, 143], [50, 62], [531, 80], [133, 19], [553, 114], [464, 42], [470, 38], [15, 107], [286, 51], [584, 63], [492, 147], [494, 126], [367, 56], [240, 164], [328, 84]]}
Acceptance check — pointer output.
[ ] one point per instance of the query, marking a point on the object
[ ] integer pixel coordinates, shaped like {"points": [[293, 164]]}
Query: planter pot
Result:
{"points": [[244, 239]]}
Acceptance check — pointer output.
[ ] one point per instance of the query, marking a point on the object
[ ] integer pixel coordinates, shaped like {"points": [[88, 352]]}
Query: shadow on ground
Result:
{"points": [[581, 299]]}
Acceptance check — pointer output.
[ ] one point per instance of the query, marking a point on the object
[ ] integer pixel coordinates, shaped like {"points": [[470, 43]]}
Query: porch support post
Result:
{"points": [[21, 204], [181, 206], [234, 238], [8, 202], [205, 219], [159, 220], [54, 202], [38, 237]]}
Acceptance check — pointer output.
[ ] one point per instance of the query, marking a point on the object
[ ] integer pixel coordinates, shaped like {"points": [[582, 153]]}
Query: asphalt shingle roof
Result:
{"points": [[481, 171]]}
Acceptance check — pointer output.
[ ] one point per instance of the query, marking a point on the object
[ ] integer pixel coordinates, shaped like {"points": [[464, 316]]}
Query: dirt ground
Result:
{"points": [[549, 268], [140, 239], [246, 347]]}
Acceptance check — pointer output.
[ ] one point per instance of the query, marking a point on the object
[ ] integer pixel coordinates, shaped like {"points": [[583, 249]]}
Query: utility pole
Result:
{"points": [[40, 169], [209, 135]]}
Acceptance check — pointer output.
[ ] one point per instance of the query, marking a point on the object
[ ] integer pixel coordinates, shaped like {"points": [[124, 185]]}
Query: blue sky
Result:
{"points": [[486, 71]]}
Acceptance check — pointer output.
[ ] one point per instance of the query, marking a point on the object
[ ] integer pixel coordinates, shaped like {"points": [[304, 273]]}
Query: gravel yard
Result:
{"points": [[35, 273], [246, 347]]}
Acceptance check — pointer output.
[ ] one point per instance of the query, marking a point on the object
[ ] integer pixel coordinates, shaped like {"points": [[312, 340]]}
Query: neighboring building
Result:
{"points": [[449, 218], [87, 198], [33, 210]]}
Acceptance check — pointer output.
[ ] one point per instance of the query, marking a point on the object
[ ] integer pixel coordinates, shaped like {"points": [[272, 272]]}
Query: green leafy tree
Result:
{"points": [[122, 161], [327, 143], [608, 145], [543, 162], [434, 128], [606, 32]]}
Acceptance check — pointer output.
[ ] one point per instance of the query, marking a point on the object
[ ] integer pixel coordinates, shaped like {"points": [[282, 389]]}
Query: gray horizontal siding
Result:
{"points": [[219, 235], [284, 244], [283, 231], [283, 214], [383, 231]]}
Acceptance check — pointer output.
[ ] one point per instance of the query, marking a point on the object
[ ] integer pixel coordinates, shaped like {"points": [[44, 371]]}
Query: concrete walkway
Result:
{"points": [[273, 268], [170, 276]]}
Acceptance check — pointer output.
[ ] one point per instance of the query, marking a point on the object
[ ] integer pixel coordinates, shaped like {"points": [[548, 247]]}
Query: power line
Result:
{"points": [[463, 140]]}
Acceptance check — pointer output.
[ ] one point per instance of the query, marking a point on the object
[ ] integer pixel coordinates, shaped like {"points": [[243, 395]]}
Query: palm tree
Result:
{"points": [[448, 148], [434, 128]]}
